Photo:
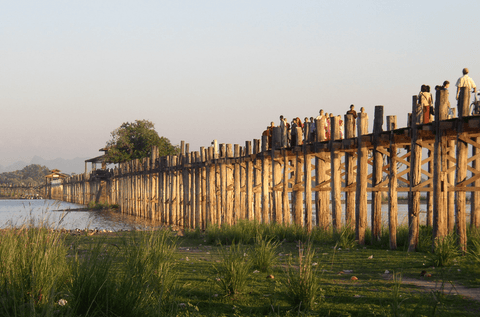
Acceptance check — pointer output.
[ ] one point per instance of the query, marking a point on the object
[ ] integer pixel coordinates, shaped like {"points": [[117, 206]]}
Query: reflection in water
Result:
{"points": [[109, 219], [64, 215], [72, 216]]}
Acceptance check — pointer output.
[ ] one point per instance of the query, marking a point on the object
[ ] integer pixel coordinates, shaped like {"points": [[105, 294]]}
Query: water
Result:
{"points": [[402, 214], [67, 216], [63, 215]]}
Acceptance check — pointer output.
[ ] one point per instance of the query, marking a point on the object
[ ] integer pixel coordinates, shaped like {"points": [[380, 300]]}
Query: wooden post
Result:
{"points": [[177, 193], [307, 162], [416, 178], [362, 174], [243, 183], [203, 184], [154, 183], [298, 136], [229, 185], [320, 129], [336, 175], [450, 194], [349, 174], [258, 182], [440, 167], [430, 193], [211, 190], [223, 182], [265, 191], [134, 169], [186, 170], [287, 219], [377, 177], [236, 183], [392, 188], [219, 185], [298, 191], [192, 191], [198, 191], [249, 181], [475, 196], [323, 199], [277, 214], [179, 202], [461, 172]]}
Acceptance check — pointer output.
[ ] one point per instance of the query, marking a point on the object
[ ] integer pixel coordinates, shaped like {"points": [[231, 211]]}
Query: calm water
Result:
{"points": [[402, 214], [63, 215]]}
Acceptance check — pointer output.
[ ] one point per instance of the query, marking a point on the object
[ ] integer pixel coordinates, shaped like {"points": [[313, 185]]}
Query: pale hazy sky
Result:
{"points": [[73, 71]]}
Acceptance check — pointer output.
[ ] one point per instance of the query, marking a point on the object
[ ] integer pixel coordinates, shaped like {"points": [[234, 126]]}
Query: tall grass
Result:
{"points": [[92, 280], [474, 244], [38, 276], [132, 279], [33, 271], [245, 232], [234, 269], [345, 238], [303, 287], [445, 251], [264, 254], [149, 265]]}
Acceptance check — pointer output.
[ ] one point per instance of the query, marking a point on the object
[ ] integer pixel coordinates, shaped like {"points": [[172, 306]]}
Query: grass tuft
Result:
{"points": [[445, 251], [264, 255], [303, 287], [233, 269]]}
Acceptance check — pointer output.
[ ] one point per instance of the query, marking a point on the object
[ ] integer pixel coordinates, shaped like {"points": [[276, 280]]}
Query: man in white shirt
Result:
{"points": [[465, 81]]}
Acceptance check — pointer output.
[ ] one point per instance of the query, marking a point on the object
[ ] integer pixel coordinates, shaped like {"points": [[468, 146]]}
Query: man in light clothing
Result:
{"points": [[465, 81]]}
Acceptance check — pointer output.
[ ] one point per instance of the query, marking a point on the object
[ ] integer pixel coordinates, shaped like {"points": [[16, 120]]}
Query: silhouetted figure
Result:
{"points": [[313, 128], [354, 114], [465, 81], [283, 129]]}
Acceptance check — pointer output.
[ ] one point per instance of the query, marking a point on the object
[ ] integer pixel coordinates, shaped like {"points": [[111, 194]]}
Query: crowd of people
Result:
{"points": [[425, 99], [298, 132]]}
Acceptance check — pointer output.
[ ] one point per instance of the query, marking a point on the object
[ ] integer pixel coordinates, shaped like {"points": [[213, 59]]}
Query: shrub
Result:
{"points": [[303, 287], [233, 270], [345, 238], [445, 251], [264, 253], [243, 232]]}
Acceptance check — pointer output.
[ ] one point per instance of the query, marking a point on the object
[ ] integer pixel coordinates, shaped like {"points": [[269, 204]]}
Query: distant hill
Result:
{"points": [[30, 175], [76, 165]]}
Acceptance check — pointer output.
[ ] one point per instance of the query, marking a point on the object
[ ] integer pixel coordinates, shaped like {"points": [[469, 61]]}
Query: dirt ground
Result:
{"points": [[448, 288]]}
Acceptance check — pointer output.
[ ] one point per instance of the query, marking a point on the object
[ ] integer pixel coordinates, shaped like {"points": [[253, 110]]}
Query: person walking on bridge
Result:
{"points": [[465, 81]]}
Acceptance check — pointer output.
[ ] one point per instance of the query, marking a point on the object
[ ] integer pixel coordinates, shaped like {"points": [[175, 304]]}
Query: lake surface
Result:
{"points": [[63, 215], [57, 214]]}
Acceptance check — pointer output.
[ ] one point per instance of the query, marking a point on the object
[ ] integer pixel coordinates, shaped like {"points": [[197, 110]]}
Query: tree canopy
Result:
{"points": [[33, 174], [134, 140]]}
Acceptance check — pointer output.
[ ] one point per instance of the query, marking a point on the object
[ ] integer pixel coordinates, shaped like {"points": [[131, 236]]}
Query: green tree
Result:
{"points": [[134, 140], [33, 174]]}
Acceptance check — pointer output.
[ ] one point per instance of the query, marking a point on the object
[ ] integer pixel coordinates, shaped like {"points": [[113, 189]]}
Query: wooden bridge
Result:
{"points": [[22, 191], [304, 184]]}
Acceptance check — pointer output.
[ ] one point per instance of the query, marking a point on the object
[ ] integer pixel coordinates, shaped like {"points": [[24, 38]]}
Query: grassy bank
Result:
{"points": [[243, 270]]}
